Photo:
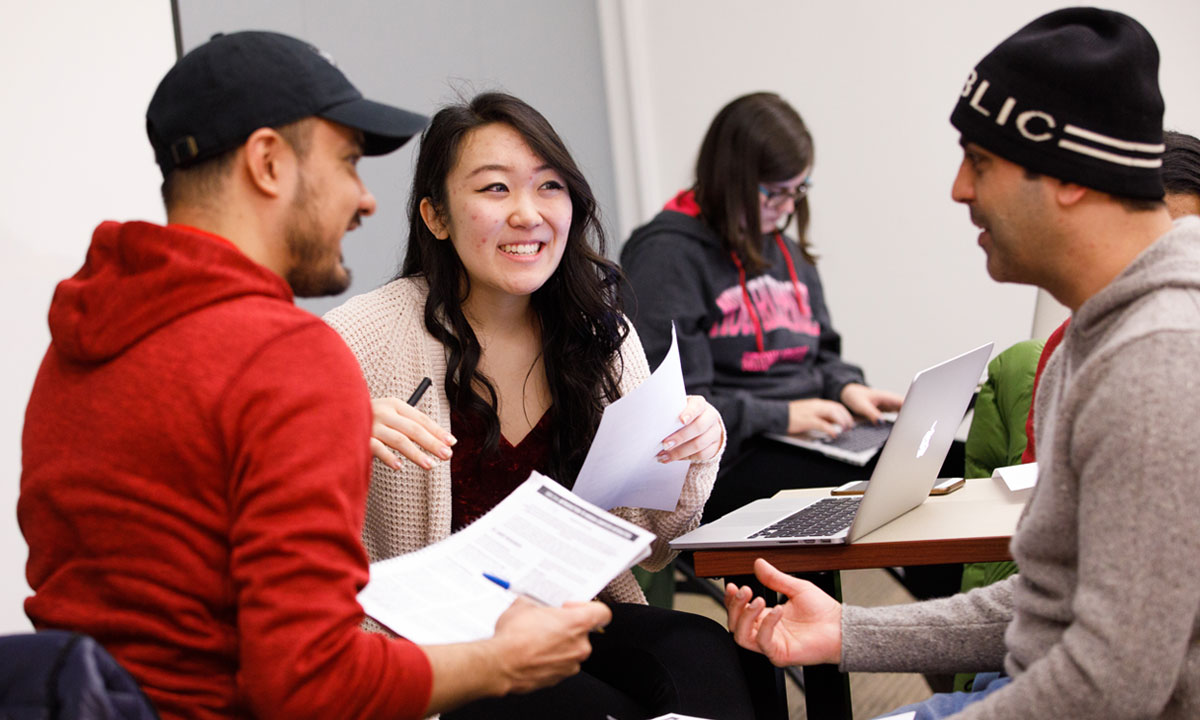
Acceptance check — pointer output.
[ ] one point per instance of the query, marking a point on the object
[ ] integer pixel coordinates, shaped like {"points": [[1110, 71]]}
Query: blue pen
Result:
{"points": [[533, 598], [515, 590]]}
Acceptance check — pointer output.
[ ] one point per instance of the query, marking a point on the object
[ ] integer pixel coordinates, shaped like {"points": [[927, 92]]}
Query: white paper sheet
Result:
{"points": [[620, 469], [1017, 477], [541, 538]]}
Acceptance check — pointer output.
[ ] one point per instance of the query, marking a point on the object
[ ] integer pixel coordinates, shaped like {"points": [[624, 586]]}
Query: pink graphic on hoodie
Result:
{"points": [[779, 304]]}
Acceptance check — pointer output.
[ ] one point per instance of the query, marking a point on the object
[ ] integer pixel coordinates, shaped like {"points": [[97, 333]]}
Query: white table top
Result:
{"points": [[982, 508]]}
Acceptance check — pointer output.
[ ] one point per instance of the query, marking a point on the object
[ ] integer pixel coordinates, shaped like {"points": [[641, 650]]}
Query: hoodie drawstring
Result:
{"points": [[791, 268]]}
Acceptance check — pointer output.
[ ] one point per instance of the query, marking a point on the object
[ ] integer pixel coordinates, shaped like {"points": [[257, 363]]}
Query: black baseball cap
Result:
{"points": [[225, 89]]}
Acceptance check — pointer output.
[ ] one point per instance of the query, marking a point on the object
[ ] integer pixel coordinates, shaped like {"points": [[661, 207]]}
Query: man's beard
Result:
{"points": [[315, 272]]}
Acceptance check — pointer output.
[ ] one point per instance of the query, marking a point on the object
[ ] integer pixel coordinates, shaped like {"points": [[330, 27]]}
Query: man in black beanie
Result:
{"points": [[1062, 143]]}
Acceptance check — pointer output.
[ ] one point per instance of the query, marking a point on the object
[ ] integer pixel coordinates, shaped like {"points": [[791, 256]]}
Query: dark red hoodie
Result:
{"points": [[194, 482]]}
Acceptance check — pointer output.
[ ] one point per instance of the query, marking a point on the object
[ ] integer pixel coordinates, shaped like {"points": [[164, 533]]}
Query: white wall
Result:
{"points": [[76, 78], [876, 82]]}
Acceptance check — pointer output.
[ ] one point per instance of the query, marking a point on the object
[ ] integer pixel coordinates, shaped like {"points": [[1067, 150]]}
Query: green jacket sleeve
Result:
{"points": [[997, 434]]}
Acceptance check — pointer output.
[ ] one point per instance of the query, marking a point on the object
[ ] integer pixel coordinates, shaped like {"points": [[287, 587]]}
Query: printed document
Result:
{"points": [[620, 469], [543, 539]]}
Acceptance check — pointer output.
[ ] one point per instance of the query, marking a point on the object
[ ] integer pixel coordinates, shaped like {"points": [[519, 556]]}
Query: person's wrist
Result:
{"points": [[847, 388], [794, 419], [837, 648], [497, 680]]}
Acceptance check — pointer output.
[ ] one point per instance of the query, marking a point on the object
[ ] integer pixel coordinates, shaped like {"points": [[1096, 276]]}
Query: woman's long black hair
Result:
{"points": [[582, 326]]}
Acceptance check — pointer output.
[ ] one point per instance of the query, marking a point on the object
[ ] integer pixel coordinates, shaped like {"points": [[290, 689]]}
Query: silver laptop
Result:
{"points": [[907, 469], [856, 444]]}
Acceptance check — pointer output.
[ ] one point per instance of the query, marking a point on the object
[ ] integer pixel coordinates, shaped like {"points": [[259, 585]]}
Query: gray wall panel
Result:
{"points": [[420, 55]]}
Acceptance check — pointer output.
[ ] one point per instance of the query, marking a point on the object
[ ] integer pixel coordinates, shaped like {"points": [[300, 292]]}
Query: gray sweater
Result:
{"points": [[1103, 620]]}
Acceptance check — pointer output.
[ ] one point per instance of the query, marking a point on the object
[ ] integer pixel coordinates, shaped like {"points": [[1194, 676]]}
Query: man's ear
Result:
{"points": [[433, 220], [269, 161], [1069, 193]]}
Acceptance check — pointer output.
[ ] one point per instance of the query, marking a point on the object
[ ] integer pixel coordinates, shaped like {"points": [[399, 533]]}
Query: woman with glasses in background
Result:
{"points": [[754, 333]]}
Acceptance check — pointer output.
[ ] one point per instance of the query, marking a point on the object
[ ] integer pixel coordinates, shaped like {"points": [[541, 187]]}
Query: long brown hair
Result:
{"points": [[754, 139], [582, 325]]}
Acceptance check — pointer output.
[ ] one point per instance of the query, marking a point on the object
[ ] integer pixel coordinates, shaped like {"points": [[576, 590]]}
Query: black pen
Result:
{"points": [[421, 388]]}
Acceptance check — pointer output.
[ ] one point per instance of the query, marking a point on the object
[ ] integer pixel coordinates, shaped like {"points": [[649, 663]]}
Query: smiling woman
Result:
{"points": [[508, 220], [507, 302]]}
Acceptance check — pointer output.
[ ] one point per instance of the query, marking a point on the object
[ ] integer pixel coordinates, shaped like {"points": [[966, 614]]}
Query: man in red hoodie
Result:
{"points": [[195, 447]]}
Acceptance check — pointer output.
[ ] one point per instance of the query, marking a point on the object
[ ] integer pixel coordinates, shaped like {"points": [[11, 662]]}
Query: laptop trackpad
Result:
{"points": [[761, 513]]}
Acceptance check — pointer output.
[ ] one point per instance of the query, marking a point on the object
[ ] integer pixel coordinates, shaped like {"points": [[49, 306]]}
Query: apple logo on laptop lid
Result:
{"points": [[925, 440]]}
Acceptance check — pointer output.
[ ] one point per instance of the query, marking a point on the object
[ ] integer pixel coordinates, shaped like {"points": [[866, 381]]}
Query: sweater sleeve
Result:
{"points": [[697, 486], [1133, 615], [836, 373], [410, 507], [667, 274], [962, 633], [299, 462]]}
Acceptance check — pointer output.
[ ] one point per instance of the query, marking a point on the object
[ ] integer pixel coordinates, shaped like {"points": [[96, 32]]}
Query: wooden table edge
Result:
{"points": [[740, 561]]}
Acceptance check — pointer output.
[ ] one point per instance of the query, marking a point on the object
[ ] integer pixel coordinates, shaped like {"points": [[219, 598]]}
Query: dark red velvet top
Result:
{"points": [[479, 480]]}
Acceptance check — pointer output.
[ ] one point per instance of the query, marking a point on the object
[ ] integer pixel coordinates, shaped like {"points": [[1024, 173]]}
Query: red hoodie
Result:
{"points": [[194, 482]]}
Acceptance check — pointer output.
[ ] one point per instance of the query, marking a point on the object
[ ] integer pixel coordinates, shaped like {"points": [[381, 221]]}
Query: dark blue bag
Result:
{"points": [[58, 675]]}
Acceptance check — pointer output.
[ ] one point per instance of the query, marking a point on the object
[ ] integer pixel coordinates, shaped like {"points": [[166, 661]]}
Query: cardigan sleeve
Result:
{"points": [[697, 486], [408, 508]]}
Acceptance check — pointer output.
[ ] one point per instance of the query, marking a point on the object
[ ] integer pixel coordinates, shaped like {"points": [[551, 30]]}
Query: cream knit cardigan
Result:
{"points": [[409, 508]]}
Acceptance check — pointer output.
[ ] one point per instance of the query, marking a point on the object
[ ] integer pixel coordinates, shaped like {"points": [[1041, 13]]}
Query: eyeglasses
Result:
{"points": [[776, 198]]}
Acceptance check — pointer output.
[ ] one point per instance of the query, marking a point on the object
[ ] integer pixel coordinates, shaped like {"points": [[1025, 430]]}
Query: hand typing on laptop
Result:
{"points": [[817, 415], [860, 436], [870, 403], [828, 417]]}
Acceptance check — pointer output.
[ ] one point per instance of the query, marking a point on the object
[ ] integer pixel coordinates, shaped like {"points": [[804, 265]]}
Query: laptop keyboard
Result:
{"points": [[827, 516], [863, 436]]}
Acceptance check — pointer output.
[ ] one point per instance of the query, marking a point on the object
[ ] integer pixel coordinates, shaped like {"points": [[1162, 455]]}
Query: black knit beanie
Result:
{"points": [[1074, 95]]}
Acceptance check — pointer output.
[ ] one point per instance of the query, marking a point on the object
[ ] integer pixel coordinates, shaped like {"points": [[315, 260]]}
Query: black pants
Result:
{"points": [[648, 662]]}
